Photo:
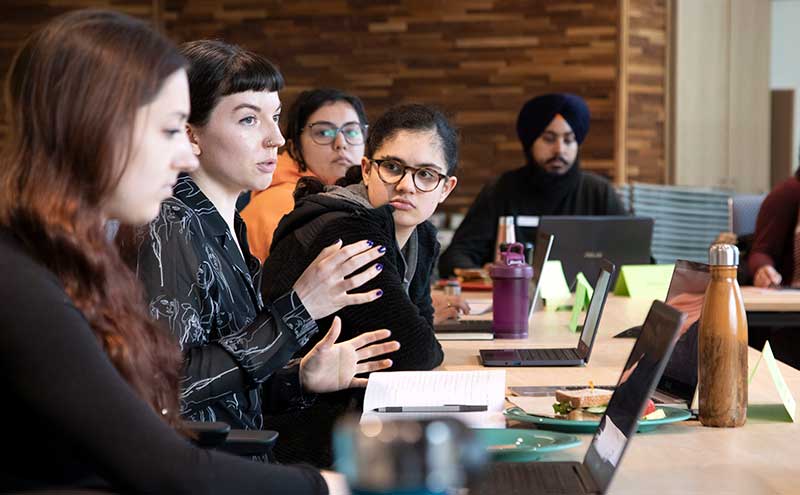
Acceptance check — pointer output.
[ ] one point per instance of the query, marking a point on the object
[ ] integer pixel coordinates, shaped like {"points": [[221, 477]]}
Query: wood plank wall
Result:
{"points": [[19, 18], [479, 60], [646, 67]]}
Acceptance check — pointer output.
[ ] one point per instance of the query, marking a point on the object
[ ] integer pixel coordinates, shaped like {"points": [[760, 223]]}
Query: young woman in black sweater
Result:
{"points": [[97, 104], [412, 154]]}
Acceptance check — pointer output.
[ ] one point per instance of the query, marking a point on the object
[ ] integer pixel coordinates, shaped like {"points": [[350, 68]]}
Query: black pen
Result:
{"points": [[426, 409]]}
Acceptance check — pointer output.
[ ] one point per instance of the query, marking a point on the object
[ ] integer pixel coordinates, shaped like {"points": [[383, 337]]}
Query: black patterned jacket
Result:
{"points": [[200, 285]]}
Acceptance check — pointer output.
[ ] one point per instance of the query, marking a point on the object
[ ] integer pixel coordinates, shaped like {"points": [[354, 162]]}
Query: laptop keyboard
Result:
{"points": [[519, 478], [548, 354]]}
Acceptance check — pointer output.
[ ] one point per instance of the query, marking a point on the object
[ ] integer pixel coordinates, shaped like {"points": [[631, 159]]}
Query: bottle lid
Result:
{"points": [[511, 264], [723, 255]]}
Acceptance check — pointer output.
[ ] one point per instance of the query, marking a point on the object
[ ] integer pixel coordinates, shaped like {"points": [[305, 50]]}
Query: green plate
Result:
{"points": [[518, 445], [673, 415]]}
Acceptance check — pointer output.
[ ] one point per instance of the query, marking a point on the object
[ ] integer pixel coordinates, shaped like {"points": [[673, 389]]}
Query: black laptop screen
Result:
{"points": [[686, 293], [583, 241], [635, 386], [592, 320]]}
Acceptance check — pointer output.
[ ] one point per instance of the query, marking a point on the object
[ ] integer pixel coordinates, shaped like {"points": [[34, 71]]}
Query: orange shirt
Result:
{"points": [[267, 207]]}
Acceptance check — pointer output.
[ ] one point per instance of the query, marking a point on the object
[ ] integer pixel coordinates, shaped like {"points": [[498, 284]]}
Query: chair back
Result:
{"points": [[743, 210]]}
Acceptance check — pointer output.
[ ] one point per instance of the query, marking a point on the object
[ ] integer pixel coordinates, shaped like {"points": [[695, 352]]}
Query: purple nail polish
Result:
{"points": [[380, 292], [382, 249], [370, 243], [379, 266]]}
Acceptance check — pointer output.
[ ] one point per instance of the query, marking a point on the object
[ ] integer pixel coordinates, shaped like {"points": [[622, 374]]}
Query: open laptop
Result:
{"points": [[645, 364], [678, 384], [577, 356], [466, 329], [585, 240]]}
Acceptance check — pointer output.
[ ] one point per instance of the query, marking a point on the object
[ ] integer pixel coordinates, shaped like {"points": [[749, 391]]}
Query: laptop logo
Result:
{"points": [[593, 254]]}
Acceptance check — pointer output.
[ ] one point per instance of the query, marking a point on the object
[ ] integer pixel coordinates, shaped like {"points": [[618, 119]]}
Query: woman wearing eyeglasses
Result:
{"points": [[411, 159], [325, 132]]}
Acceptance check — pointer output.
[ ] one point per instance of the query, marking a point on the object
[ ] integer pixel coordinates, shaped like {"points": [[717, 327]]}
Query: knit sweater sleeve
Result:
{"points": [[473, 243], [775, 226], [419, 348], [613, 203], [394, 310]]}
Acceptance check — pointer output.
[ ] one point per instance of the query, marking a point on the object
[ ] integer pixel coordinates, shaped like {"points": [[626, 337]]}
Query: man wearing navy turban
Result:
{"points": [[551, 128]]}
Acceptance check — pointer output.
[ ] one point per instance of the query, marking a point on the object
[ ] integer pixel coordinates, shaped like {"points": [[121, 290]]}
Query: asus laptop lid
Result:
{"points": [[585, 240]]}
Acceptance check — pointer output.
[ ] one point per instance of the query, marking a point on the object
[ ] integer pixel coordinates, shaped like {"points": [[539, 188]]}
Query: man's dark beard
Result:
{"points": [[551, 160]]}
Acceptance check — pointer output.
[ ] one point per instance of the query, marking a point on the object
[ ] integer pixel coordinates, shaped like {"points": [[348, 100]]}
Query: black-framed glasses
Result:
{"points": [[325, 133], [392, 171]]}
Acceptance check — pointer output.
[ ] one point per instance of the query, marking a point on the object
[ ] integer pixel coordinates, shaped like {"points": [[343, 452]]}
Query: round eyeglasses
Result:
{"points": [[392, 171], [325, 133]]}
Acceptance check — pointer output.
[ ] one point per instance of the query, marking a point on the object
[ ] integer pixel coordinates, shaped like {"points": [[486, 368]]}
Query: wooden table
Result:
{"points": [[685, 458], [772, 308]]}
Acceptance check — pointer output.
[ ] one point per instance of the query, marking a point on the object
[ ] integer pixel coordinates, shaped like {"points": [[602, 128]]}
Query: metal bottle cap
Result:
{"points": [[723, 255]]}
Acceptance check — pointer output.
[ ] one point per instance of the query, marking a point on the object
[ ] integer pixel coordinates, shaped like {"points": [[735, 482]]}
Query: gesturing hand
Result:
{"points": [[329, 367], [323, 286]]}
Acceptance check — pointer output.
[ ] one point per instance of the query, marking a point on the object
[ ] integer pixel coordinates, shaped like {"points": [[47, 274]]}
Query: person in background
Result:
{"points": [[409, 169], [203, 284], [774, 258], [448, 307], [325, 132], [97, 103], [774, 261], [551, 129]]}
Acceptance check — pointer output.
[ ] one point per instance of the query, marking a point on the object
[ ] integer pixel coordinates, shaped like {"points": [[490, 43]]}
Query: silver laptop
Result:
{"points": [[463, 329], [573, 356], [645, 364]]}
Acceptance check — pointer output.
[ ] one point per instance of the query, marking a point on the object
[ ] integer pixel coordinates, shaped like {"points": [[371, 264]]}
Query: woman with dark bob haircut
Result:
{"points": [[408, 170], [325, 132], [203, 283], [97, 104]]}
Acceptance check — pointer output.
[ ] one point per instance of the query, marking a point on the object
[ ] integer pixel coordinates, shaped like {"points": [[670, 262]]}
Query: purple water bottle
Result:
{"points": [[510, 280]]}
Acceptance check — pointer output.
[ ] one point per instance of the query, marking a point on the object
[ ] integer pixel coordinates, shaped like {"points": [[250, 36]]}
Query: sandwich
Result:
{"points": [[472, 275], [590, 403], [583, 404]]}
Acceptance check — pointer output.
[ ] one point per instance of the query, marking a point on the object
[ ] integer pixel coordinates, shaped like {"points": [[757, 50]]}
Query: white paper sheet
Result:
{"points": [[479, 306], [438, 388]]}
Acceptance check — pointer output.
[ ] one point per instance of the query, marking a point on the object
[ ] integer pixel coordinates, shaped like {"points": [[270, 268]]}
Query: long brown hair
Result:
{"points": [[72, 95]]}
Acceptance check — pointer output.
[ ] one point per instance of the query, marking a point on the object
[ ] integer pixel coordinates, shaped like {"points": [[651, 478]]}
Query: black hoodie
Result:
{"points": [[318, 221]]}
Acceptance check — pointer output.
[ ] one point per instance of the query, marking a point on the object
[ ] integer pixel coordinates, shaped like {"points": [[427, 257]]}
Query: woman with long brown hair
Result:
{"points": [[97, 104]]}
